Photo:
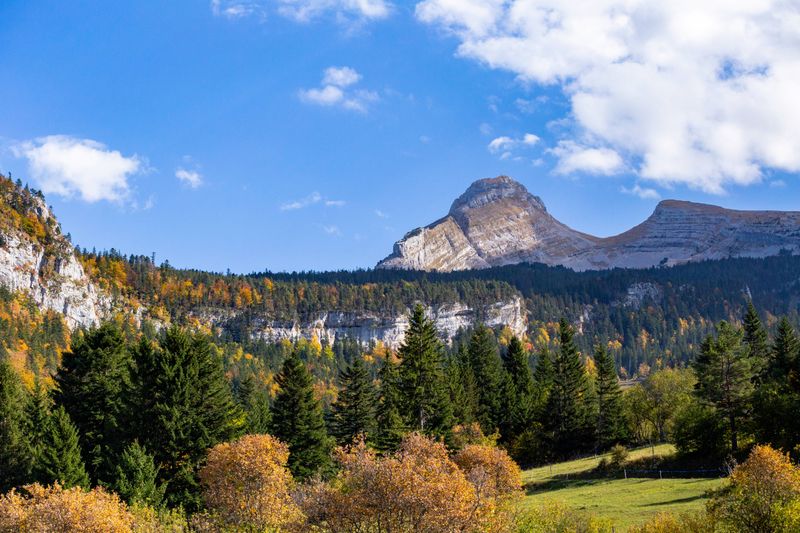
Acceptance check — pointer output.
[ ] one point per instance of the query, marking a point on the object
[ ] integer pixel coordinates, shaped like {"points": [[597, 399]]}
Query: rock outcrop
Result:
{"points": [[498, 222]]}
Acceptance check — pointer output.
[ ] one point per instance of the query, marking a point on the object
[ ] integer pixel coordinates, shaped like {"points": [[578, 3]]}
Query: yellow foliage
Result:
{"points": [[247, 484], [490, 470], [42, 509]]}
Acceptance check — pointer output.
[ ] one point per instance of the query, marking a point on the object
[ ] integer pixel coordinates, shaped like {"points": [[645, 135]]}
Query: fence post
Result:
{"points": [[659, 475], [626, 472]]}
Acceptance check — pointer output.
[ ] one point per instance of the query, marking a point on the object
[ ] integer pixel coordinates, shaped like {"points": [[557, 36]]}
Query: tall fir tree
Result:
{"points": [[90, 385], [37, 416], [353, 412], [183, 406], [254, 401], [463, 388], [488, 369], [60, 457], [756, 339], [14, 451], [136, 479], [725, 378], [543, 377], [390, 425], [566, 418], [523, 406], [610, 414], [785, 351], [297, 420], [425, 402]]}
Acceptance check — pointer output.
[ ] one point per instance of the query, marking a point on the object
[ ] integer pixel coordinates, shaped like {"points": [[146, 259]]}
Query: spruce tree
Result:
{"points": [[183, 406], [610, 415], [297, 420], [425, 403], [755, 338], [390, 425], [254, 401], [37, 416], [566, 413], [353, 412], [522, 408], [724, 378], [137, 477], [14, 452], [489, 373], [60, 457], [463, 388], [785, 351], [90, 386]]}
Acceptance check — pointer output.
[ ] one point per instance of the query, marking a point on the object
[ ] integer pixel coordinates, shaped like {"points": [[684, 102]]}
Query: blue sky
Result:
{"points": [[311, 134]]}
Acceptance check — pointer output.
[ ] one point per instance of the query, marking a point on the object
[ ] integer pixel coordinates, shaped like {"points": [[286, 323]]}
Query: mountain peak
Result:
{"points": [[490, 190]]}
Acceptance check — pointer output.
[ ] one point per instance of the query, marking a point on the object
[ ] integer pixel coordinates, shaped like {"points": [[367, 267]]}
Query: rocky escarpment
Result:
{"points": [[51, 275], [498, 222], [386, 328]]}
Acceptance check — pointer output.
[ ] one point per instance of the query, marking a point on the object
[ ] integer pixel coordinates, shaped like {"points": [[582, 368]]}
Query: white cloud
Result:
{"points": [[644, 193], [777, 184], [332, 230], [505, 144], [335, 91], [695, 93], [312, 199], [68, 166], [192, 178], [303, 10], [573, 157], [380, 214]]}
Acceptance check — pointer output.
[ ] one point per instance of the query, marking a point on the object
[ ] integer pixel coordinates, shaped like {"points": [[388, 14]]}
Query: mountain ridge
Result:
{"points": [[497, 221]]}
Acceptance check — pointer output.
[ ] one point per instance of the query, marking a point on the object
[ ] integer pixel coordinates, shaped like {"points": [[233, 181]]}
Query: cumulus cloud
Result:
{"points": [[69, 167], [312, 199], [573, 157], [504, 145], [303, 10], [192, 178], [694, 93], [645, 193], [337, 90]]}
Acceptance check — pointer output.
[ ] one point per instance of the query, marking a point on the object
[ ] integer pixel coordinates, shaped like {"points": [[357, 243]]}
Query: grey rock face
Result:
{"points": [[498, 222]]}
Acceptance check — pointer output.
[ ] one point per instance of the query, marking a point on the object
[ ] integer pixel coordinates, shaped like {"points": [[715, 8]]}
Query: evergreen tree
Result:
{"points": [[755, 338], [425, 403], [523, 406], [353, 413], [37, 416], [254, 401], [60, 457], [543, 377], [390, 425], [488, 371], [297, 420], [14, 454], [183, 407], [610, 415], [724, 377], [90, 386], [566, 415], [137, 477], [785, 351], [463, 388]]}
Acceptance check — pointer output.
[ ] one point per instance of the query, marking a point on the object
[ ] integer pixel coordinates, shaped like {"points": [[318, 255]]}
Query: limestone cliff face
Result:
{"points": [[389, 329], [498, 222], [51, 276]]}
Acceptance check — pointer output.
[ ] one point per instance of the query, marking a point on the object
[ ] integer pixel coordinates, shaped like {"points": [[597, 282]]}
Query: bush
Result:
{"points": [[668, 523], [54, 508], [553, 517], [619, 454], [247, 483], [490, 470]]}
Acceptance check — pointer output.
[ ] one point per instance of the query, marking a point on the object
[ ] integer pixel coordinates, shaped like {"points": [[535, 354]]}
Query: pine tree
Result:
{"points": [[755, 338], [724, 377], [254, 401], [523, 407], [14, 453], [390, 425], [137, 477], [353, 413], [488, 370], [183, 406], [566, 415], [297, 420], [425, 403], [90, 386], [610, 415], [785, 351], [60, 457]]}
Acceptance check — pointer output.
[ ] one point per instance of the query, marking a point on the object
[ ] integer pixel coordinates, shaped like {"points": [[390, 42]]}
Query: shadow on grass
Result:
{"points": [[560, 483], [676, 500]]}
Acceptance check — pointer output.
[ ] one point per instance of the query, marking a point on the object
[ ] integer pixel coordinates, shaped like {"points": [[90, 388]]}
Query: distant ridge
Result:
{"points": [[498, 222]]}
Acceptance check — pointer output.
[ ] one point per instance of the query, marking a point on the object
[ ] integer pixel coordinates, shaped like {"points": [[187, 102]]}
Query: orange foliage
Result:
{"points": [[246, 483], [490, 470]]}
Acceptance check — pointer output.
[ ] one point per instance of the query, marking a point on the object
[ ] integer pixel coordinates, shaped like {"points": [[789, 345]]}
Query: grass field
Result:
{"points": [[624, 501]]}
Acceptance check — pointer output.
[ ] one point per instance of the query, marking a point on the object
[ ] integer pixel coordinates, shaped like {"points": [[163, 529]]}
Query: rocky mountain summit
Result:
{"points": [[498, 222]]}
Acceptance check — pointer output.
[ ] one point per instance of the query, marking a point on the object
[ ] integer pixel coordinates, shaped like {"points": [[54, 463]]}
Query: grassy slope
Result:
{"points": [[625, 501]]}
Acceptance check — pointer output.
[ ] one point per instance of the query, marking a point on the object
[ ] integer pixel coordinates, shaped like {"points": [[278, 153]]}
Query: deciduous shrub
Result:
{"points": [[490, 470], [553, 517]]}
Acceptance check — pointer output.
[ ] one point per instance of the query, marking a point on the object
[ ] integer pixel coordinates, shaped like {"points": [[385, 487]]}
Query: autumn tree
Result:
{"points": [[353, 412], [724, 377], [247, 483], [297, 420]]}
